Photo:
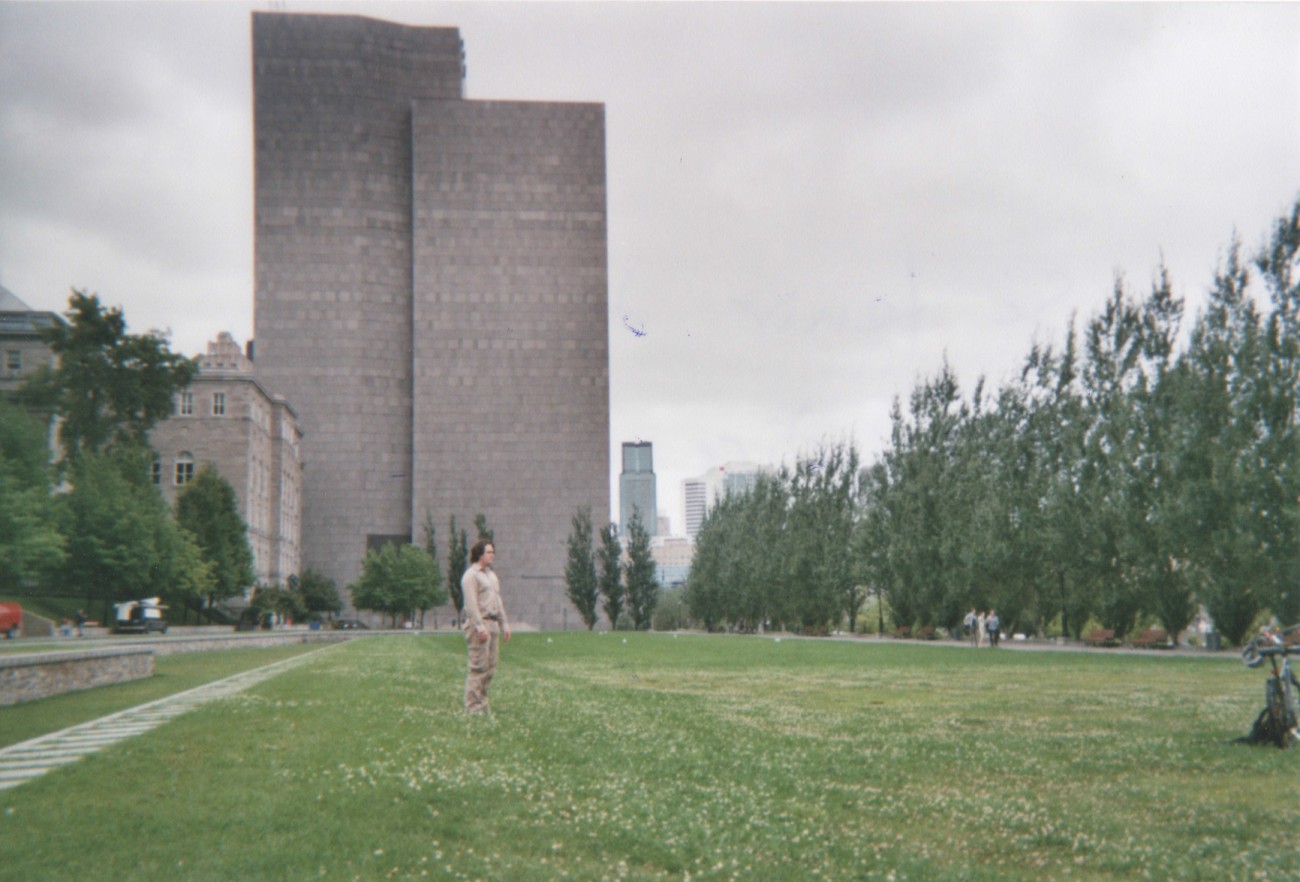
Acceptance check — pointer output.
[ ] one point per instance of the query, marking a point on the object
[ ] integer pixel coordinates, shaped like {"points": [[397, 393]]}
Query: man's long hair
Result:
{"points": [[477, 550]]}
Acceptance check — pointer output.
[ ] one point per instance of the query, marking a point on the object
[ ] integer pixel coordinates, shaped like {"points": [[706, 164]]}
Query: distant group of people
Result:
{"points": [[66, 626], [983, 627]]}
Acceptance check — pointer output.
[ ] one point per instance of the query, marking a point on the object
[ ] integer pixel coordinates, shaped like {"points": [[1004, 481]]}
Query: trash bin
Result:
{"points": [[1212, 641]]}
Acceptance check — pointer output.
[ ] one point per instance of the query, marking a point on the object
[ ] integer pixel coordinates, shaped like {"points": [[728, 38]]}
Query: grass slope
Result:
{"points": [[651, 757]]}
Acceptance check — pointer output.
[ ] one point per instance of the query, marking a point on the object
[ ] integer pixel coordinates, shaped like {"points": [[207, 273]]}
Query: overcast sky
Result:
{"points": [[810, 205]]}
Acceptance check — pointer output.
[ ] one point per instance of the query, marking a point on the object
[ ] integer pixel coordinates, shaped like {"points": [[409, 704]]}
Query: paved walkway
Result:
{"points": [[22, 762]]}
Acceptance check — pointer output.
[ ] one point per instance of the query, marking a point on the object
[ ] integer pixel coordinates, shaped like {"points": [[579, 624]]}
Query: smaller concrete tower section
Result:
{"points": [[636, 486], [332, 259], [511, 332]]}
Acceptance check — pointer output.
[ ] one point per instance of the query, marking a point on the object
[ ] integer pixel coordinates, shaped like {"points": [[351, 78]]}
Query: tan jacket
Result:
{"points": [[482, 593]]}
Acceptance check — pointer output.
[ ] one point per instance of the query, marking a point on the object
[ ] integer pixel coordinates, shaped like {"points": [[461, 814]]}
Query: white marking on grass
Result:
{"points": [[22, 762]]}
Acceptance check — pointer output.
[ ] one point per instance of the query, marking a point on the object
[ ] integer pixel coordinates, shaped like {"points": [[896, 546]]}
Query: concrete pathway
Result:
{"points": [[22, 762]]}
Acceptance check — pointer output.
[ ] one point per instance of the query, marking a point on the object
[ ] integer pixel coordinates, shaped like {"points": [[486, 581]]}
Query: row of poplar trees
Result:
{"points": [[626, 587], [1124, 476]]}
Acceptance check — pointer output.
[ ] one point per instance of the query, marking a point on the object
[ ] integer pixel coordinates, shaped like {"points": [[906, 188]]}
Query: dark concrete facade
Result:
{"points": [[431, 294]]}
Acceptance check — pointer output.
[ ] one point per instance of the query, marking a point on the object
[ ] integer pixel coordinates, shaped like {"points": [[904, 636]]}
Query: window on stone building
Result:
{"points": [[155, 471], [218, 403], [184, 469], [14, 361], [185, 407]]}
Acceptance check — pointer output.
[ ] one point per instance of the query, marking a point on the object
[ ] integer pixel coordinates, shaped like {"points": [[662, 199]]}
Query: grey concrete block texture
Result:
{"points": [[431, 296]]}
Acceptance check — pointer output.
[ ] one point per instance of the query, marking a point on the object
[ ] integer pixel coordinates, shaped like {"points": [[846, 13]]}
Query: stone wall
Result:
{"points": [[40, 675]]}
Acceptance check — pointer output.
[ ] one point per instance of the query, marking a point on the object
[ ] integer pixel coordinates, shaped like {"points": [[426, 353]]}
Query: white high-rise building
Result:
{"points": [[701, 494]]}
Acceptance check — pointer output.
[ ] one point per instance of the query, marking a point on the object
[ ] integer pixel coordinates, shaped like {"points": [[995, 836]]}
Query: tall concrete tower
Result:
{"points": [[431, 295]]}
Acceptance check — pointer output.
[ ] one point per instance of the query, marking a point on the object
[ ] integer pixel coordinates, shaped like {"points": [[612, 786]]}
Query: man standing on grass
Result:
{"points": [[484, 623]]}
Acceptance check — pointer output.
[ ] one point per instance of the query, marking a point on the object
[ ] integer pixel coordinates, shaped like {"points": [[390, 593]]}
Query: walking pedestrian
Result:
{"points": [[994, 626]]}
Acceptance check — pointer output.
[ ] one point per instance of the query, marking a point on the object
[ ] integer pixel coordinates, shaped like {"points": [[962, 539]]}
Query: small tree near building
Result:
{"points": [[209, 509], [397, 580], [319, 593]]}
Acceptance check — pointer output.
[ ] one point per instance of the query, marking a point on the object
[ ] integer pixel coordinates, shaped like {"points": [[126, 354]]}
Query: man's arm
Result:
{"points": [[469, 591]]}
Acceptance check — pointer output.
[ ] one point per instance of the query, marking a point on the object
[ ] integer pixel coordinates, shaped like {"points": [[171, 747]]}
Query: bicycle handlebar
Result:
{"points": [[1273, 643]]}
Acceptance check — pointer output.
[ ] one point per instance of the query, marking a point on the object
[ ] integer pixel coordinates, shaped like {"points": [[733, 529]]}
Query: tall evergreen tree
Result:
{"points": [[431, 548], [610, 557], [1277, 461], [642, 581], [457, 563], [580, 570], [482, 528]]}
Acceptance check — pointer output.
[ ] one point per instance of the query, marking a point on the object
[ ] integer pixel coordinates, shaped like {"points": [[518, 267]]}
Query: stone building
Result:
{"points": [[21, 345], [431, 294], [225, 417]]}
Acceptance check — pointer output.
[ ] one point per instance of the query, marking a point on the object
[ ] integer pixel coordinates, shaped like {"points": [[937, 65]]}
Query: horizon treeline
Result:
{"points": [[1125, 475]]}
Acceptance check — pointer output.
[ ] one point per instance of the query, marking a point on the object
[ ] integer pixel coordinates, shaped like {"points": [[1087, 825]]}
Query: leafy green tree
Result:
{"points": [[288, 604], [610, 557], [31, 546], [457, 563], [642, 581], [580, 570], [319, 593], [110, 387], [209, 509], [122, 540], [397, 580]]}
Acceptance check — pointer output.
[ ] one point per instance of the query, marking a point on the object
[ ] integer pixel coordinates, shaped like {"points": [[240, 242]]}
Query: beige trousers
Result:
{"points": [[483, 656]]}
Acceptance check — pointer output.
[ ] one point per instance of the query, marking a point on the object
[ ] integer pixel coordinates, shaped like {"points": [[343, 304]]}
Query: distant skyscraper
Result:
{"points": [[701, 494], [695, 493], [431, 295], [636, 486]]}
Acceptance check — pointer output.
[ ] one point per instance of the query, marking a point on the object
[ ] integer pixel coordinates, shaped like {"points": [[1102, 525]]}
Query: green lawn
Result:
{"points": [[172, 674], [652, 757]]}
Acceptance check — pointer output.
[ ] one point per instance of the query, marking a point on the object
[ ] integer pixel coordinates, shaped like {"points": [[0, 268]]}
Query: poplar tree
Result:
{"points": [[642, 581], [580, 570], [610, 558]]}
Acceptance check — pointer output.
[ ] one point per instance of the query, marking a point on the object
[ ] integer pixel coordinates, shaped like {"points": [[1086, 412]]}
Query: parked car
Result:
{"points": [[350, 625], [140, 616], [11, 620]]}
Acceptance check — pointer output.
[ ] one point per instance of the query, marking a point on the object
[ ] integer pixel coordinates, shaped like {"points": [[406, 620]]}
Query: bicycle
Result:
{"points": [[1279, 722]]}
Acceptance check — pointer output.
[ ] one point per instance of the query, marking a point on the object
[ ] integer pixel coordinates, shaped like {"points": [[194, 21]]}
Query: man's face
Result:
{"points": [[488, 554]]}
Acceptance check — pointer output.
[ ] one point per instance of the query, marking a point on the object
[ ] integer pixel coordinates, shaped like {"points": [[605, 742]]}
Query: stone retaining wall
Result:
{"points": [[229, 639], [40, 675]]}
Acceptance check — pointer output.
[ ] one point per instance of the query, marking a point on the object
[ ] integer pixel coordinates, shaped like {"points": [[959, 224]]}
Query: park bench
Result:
{"points": [[926, 633], [902, 632], [1101, 637], [1152, 638]]}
